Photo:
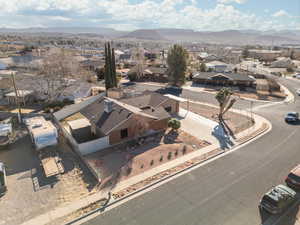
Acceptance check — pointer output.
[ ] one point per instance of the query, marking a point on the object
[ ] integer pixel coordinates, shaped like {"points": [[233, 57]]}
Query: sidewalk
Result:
{"points": [[205, 152]]}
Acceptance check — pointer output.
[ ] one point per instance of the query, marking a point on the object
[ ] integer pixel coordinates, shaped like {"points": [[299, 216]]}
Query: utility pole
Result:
{"points": [[17, 97]]}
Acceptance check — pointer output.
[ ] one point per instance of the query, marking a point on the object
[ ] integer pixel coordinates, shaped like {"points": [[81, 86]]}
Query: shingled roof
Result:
{"points": [[146, 105], [230, 76]]}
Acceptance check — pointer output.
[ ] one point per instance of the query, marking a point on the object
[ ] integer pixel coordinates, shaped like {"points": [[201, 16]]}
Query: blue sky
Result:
{"points": [[211, 15]]}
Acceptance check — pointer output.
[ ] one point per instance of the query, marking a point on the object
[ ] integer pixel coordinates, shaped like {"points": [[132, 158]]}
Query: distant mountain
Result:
{"points": [[68, 30], [238, 37], [144, 35]]}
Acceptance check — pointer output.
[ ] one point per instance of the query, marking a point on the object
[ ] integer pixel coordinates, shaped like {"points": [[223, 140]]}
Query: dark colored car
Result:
{"points": [[277, 199], [3, 187], [291, 117], [293, 179]]}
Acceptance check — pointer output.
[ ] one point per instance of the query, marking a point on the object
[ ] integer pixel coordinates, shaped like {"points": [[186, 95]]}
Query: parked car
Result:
{"points": [[298, 92], [293, 179], [291, 117], [3, 183], [297, 75], [277, 199]]}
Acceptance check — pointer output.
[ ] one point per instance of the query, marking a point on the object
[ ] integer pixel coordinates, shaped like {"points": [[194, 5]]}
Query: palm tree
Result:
{"points": [[225, 102]]}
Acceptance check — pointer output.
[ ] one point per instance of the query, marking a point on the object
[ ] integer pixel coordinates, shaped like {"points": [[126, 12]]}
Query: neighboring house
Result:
{"points": [[24, 97], [211, 57], [216, 66], [265, 55], [92, 64], [79, 90], [112, 121], [282, 63], [152, 73], [224, 79]]}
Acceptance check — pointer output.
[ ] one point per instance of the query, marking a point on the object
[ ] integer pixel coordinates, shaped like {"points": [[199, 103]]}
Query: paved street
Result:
{"points": [[226, 191], [201, 97]]}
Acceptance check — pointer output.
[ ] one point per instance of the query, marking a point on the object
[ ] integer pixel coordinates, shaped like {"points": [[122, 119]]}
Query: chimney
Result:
{"points": [[108, 105]]}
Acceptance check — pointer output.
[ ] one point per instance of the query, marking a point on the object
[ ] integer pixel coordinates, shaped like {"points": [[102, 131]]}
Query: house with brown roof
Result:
{"points": [[223, 79], [111, 121], [152, 73]]}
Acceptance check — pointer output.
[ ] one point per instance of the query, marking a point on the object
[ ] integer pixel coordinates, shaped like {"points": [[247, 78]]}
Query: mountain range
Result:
{"points": [[238, 37]]}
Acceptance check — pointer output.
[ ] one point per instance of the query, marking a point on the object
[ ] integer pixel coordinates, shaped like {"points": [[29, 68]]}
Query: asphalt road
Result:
{"points": [[201, 97], [226, 191]]}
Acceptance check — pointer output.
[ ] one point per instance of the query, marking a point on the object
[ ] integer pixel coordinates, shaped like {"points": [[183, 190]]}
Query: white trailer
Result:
{"points": [[44, 136], [42, 132]]}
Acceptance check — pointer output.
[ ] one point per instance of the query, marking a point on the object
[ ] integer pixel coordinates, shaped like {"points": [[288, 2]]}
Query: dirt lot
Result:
{"points": [[122, 162], [30, 193], [236, 122]]}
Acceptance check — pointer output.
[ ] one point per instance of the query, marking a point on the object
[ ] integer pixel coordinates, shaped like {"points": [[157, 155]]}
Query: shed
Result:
{"points": [[80, 129]]}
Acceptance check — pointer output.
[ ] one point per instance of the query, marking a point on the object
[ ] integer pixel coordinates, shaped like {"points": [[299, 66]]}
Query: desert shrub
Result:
{"points": [[152, 162], [129, 170], [184, 150], [132, 76], [169, 155]]}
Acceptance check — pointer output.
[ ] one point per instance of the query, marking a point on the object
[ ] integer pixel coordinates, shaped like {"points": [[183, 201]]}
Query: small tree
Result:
{"points": [[100, 72], [202, 67], [177, 65], [132, 76], [174, 124], [245, 53], [225, 101]]}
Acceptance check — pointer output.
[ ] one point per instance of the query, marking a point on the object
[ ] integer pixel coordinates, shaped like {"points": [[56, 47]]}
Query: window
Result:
{"points": [[168, 109], [124, 133]]}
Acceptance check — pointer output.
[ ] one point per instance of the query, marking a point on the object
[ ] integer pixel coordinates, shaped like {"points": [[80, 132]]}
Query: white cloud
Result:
{"points": [[124, 15], [280, 13], [232, 1]]}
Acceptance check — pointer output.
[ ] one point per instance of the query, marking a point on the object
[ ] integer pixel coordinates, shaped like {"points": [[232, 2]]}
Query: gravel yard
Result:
{"points": [[236, 122]]}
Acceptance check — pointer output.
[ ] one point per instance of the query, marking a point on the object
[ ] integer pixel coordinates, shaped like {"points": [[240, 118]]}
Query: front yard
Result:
{"points": [[127, 160], [235, 122]]}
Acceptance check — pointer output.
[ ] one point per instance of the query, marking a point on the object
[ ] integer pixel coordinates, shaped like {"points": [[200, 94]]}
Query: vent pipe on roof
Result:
{"points": [[108, 106]]}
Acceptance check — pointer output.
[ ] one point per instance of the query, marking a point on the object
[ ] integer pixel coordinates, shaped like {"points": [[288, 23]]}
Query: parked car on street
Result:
{"points": [[3, 183], [293, 178], [297, 75], [277, 199], [291, 117]]}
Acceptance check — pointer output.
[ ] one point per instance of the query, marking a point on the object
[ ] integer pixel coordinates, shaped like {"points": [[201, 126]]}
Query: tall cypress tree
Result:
{"points": [[113, 68], [110, 67]]}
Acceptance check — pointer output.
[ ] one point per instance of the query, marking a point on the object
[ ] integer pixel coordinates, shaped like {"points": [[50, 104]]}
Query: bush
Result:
{"points": [[47, 110], [152, 162], [132, 76], [174, 124], [169, 155], [184, 150], [129, 170], [56, 108]]}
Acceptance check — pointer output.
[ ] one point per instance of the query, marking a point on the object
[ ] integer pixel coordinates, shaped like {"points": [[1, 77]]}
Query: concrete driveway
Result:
{"points": [[204, 129]]}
